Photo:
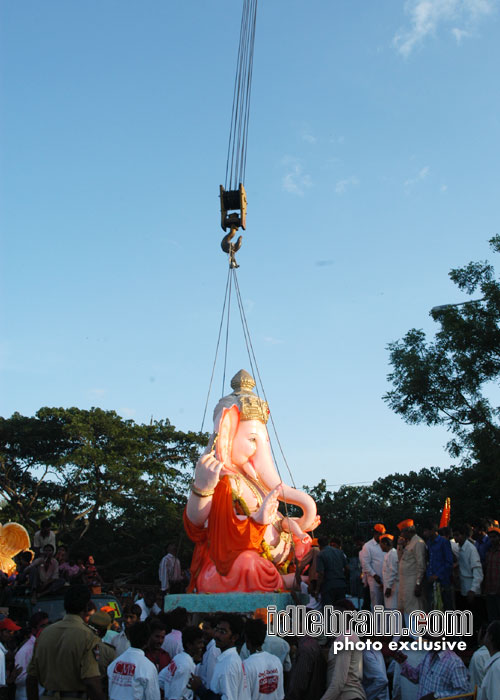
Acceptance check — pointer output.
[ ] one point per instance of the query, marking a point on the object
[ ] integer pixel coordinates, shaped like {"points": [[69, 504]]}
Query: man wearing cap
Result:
{"points": [[114, 630], [372, 560], [99, 623], [412, 564], [492, 575], [390, 572], [65, 658], [7, 629]]}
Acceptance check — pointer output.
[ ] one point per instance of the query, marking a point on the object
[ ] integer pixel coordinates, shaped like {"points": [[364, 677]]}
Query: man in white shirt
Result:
{"points": [[174, 678], [132, 676], [264, 671], [229, 680], [371, 558], [131, 615], [172, 643], [480, 659], [491, 681], [148, 605], [469, 564], [375, 682], [44, 536], [170, 572], [390, 572], [212, 651], [23, 656], [273, 645]]}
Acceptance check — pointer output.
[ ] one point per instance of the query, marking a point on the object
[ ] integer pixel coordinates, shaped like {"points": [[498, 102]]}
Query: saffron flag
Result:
{"points": [[445, 515]]}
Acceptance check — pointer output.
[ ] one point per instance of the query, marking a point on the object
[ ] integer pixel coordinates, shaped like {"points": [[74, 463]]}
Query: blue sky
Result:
{"points": [[372, 170]]}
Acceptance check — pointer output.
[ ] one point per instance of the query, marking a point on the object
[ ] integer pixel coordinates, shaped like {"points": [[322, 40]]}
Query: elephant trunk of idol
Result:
{"points": [[264, 466]]}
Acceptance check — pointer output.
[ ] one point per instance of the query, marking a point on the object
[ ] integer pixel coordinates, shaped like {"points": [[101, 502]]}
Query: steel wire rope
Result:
{"points": [[227, 328], [251, 352], [241, 81], [216, 351], [238, 132], [248, 96], [236, 106], [245, 324], [241, 102]]}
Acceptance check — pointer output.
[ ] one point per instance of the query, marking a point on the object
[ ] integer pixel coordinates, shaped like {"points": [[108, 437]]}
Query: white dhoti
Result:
{"points": [[391, 603], [376, 591]]}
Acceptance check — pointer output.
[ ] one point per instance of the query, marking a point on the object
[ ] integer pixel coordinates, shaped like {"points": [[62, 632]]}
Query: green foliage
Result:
{"points": [[111, 486], [452, 379], [351, 511]]}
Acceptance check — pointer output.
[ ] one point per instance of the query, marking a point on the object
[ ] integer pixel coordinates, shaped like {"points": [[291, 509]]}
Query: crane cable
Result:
{"points": [[256, 374], [232, 281], [238, 133]]}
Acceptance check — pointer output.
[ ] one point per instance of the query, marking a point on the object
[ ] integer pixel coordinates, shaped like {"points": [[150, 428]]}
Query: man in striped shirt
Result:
{"points": [[439, 674]]}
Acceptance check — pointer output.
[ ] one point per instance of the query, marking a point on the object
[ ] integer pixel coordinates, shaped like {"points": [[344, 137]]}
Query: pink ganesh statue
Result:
{"points": [[242, 542]]}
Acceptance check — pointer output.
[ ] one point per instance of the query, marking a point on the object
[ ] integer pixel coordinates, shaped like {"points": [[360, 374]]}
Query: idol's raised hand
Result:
{"points": [[207, 472], [269, 508]]}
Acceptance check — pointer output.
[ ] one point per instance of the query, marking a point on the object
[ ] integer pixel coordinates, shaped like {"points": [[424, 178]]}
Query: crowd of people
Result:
{"points": [[444, 569], [47, 569], [147, 654]]}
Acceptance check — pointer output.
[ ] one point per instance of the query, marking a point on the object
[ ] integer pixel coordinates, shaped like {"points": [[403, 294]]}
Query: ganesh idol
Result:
{"points": [[242, 541]]}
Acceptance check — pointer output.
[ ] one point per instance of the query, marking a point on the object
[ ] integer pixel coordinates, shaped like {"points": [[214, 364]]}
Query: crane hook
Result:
{"points": [[231, 248]]}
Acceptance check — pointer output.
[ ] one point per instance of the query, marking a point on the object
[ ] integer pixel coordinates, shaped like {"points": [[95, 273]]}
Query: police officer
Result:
{"points": [[100, 622], [65, 660]]}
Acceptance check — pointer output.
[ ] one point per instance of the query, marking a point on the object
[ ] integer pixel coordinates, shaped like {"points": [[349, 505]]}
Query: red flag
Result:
{"points": [[445, 515]]}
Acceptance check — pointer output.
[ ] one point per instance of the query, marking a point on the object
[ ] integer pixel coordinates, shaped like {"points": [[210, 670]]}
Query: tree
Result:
{"points": [[452, 379], [110, 485], [351, 511]]}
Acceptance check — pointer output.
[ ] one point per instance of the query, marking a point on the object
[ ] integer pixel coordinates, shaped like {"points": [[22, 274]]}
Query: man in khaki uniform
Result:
{"points": [[100, 622], [65, 660], [412, 565]]}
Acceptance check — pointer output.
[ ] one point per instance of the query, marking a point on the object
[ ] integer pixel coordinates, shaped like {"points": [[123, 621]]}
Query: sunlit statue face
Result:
{"points": [[251, 435]]}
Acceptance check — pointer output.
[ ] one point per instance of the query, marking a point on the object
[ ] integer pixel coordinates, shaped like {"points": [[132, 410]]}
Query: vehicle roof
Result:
{"points": [[21, 608]]}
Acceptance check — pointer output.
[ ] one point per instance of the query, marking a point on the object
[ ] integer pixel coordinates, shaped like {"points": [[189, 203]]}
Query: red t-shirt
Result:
{"points": [[159, 657]]}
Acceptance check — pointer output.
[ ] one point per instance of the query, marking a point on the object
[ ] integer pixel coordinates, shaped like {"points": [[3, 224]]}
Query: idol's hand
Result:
{"points": [[207, 472], [269, 508], [291, 525], [315, 524]]}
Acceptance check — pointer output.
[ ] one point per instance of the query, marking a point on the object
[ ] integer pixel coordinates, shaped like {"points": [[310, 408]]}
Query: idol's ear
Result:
{"points": [[228, 425]]}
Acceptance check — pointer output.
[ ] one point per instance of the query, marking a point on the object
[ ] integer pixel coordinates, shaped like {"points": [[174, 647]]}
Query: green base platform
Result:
{"points": [[231, 602]]}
